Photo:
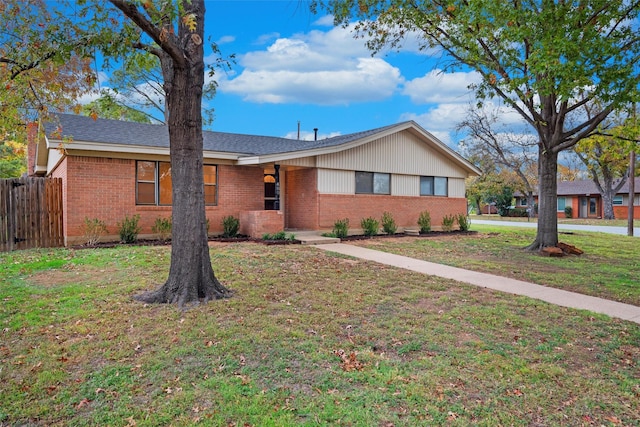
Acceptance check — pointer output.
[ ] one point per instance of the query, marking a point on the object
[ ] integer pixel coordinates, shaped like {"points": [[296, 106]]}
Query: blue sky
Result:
{"points": [[294, 66]]}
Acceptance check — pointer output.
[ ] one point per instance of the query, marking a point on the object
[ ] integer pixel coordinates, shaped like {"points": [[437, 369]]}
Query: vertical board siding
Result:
{"points": [[336, 181], [456, 187], [405, 185], [30, 213], [401, 152]]}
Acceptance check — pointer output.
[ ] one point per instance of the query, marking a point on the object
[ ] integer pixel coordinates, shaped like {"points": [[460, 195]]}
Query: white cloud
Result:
{"points": [[325, 21], [443, 117], [266, 38], [226, 39], [325, 68], [439, 87], [366, 79]]}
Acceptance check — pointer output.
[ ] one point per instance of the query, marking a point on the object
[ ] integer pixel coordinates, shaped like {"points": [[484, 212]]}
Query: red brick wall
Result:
{"points": [[301, 199], [258, 223], [404, 209], [32, 143], [104, 188], [622, 212]]}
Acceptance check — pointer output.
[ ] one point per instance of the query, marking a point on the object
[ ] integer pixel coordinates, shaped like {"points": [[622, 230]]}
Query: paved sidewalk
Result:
{"points": [[551, 295]]}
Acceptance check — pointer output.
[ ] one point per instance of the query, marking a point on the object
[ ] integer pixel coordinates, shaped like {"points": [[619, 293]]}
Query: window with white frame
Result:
{"points": [[562, 203]]}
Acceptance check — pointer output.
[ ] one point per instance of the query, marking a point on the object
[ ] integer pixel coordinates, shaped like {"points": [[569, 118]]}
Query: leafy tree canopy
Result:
{"points": [[545, 59]]}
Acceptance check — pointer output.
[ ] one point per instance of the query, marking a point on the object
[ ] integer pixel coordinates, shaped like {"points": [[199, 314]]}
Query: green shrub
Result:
{"points": [[568, 212], [280, 235], [162, 227], [464, 223], [447, 222], [424, 222], [369, 226], [341, 228], [94, 229], [388, 223], [129, 229], [518, 212], [230, 226]]}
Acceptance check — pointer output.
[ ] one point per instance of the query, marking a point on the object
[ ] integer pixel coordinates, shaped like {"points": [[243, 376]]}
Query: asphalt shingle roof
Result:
{"points": [[86, 129], [587, 186]]}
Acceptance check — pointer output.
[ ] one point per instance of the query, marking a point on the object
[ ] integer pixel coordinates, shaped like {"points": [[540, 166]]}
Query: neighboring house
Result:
{"points": [[586, 202], [113, 168]]}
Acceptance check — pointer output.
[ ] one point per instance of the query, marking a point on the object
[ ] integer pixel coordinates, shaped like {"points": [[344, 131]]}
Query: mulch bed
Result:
{"points": [[238, 239]]}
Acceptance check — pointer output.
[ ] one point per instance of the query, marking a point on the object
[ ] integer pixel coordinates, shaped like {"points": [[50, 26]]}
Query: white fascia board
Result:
{"points": [[132, 149]]}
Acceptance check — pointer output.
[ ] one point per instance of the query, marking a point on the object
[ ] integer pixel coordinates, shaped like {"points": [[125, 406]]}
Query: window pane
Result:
{"points": [[617, 200], [364, 182], [426, 186], [561, 203], [210, 194], [440, 186], [164, 192], [209, 174], [146, 171], [381, 183], [146, 193]]}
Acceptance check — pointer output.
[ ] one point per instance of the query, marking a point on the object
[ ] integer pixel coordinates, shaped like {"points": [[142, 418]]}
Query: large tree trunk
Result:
{"points": [[547, 200], [191, 277]]}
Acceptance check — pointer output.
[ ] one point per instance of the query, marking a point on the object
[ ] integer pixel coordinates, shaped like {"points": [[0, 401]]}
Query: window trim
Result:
{"points": [[156, 184], [564, 204]]}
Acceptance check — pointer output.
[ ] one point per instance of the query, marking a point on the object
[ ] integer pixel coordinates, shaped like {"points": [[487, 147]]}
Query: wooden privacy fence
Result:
{"points": [[30, 213]]}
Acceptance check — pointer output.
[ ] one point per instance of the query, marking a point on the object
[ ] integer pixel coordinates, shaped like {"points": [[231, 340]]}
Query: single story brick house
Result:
{"points": [[112, 168], [586, 202]]}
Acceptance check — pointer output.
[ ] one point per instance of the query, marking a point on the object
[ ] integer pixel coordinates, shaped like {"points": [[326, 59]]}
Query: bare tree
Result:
{"points": [[506, 148]]}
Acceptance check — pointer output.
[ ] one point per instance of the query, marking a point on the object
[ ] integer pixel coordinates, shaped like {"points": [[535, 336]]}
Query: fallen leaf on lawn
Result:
{"points": [[614, 420], [349, 361], [83, 402]]}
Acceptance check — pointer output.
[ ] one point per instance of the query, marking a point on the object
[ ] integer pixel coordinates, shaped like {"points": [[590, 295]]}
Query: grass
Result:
{"points": [[609, 268], [76, 350], [579, 221]]}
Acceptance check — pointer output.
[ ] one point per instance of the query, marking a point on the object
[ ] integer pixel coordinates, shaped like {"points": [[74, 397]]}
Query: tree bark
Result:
{"points": [[547, 234], [191, 277]]}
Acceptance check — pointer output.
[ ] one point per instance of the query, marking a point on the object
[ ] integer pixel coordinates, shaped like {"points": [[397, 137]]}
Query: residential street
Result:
{"points": [[561, 227]]}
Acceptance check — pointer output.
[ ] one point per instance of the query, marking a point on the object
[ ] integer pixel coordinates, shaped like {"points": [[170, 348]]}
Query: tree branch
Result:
{"points": [[162, 39]]}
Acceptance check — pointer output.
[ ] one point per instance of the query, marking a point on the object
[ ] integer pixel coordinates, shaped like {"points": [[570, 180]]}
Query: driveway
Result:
{"points": [[569, 227]]}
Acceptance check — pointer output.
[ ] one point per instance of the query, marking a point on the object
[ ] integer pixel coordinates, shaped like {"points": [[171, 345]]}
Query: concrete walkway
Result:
{"points": [[610, 229], [490, 281]]}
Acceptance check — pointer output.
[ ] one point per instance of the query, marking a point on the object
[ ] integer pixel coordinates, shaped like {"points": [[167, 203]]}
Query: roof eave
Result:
{"points": [[133, 149]]}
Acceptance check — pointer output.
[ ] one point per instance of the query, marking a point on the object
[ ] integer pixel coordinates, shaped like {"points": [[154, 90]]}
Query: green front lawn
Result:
{"points": [[609, 268], [308, 339]]}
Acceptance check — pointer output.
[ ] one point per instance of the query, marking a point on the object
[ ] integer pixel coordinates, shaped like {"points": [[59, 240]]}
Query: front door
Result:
{"points": [[584, 205]]}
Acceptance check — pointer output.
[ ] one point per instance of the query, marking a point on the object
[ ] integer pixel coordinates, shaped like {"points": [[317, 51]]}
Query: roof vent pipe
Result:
{"points": [[315, 134]]}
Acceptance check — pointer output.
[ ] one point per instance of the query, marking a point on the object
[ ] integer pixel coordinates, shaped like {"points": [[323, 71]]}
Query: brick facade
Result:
{"points": [[105, 188], [32, 145], [301, 199], [404, 209]]}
